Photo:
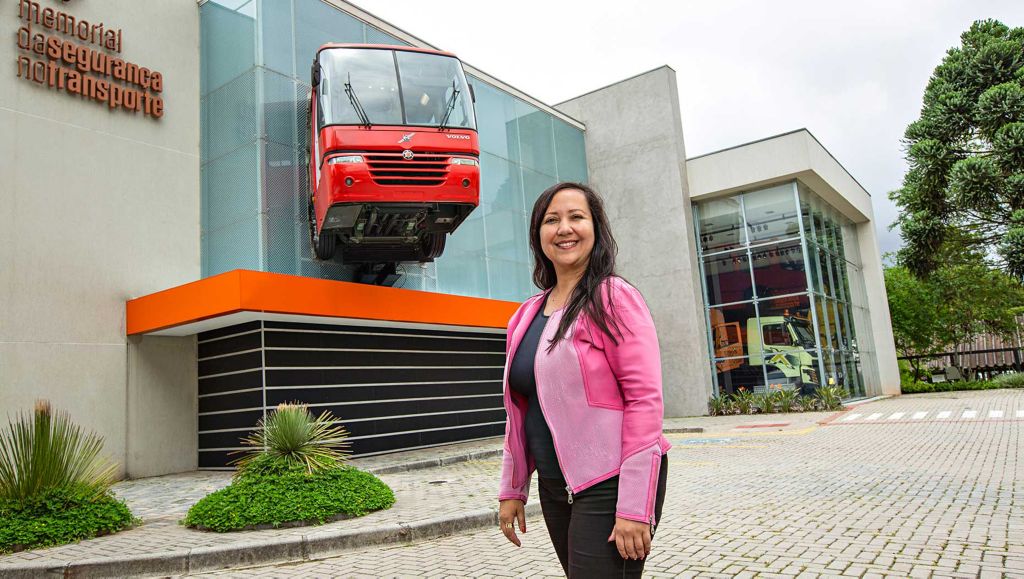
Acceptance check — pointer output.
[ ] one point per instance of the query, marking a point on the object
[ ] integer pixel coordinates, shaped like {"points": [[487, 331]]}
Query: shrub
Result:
{"points": [[1010, 380], [292, 434], [46, 451], [765, 402], [808, 403], [743, 400], [719, 406], [786, 399], [829, 398], [272, 491], [58, 516], [998, 382]]}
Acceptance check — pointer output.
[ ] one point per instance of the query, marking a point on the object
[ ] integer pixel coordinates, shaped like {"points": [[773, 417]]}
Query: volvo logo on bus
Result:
{"points": [[406, 138], [407, 155]]}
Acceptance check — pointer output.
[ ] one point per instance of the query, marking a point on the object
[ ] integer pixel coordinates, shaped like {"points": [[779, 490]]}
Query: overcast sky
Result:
{"points": [[853, 73]]}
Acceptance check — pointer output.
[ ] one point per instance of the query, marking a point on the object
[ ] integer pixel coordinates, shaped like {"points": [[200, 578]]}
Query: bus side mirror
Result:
{"points": [[314, 74], [472, 93]]}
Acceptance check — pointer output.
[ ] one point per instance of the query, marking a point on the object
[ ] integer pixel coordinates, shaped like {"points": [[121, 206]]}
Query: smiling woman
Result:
{"points": [[585, 409]]}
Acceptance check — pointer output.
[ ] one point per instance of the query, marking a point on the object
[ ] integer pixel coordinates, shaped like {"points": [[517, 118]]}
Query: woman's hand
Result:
{"points": [[510, 512], [632, 538]]}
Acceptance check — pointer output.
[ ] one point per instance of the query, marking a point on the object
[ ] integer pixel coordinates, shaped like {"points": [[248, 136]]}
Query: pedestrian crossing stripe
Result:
{"points": [[966, 414]]}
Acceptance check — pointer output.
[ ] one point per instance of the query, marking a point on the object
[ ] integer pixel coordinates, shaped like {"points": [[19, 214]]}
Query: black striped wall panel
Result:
{"points": [[392, 388]]}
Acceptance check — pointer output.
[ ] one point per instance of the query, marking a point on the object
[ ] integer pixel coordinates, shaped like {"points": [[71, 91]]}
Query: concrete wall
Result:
{"points": [[637, 161], [98, 206]]}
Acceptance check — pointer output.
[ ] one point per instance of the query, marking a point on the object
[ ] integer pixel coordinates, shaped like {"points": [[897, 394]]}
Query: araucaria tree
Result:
{"points": [[964, 191]]}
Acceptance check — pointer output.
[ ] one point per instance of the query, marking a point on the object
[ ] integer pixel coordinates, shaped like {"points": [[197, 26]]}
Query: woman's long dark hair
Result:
{"points": [[586, 297]]}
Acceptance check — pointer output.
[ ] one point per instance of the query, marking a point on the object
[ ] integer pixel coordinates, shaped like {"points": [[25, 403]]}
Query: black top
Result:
{"points": [[523, 381]]}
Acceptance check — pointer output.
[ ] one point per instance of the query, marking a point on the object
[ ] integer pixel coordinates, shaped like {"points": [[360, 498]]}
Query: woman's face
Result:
{"points": [[567, 231]]}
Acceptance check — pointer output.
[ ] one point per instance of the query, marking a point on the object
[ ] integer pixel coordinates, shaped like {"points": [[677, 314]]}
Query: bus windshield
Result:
{"points": [[368, 86]]}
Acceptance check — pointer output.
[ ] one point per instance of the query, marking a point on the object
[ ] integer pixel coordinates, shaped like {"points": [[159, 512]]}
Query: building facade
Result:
{"points": [[179, 189]]}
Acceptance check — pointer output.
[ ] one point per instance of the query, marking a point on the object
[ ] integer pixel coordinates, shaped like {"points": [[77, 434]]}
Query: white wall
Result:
{"points": [[98, 206]]}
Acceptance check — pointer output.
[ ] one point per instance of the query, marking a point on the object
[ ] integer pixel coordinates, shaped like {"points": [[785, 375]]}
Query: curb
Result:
{"points": [[684, 430], [252, 553], [435, 462]]}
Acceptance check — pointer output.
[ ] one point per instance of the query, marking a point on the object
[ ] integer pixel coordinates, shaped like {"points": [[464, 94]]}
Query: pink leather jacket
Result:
{"points": [[602, 402]]}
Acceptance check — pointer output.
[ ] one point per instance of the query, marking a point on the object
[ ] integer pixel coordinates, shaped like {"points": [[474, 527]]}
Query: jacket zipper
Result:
{"points": [[536, 378]]}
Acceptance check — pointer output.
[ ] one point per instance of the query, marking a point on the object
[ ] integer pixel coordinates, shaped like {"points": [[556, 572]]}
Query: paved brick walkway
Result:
{"points": [[893, 496]]}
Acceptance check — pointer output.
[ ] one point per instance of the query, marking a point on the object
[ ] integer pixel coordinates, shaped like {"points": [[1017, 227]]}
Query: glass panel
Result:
{"points": [[233, 192], [434, 89], [813, 267], [509, 280], [536, 144], [792, 369], [508, 236], [462, 273], [228, 45], [729, 326], [232, 115], [360, 76], [277, 42], [376, 36], [318, 23], [496, 119], [825, 271], [825, 333], [235, 246], [739, 373], [727, 277], [720, 224], [533, 185], [779, 269], [570, 151], [790, 315], [501, 185], [469, 237], [280, 114], [771, 213]]}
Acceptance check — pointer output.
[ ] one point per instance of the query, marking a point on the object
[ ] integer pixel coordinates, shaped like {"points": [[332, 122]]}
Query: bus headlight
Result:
{"points": [[464, 161], [345, 159]]}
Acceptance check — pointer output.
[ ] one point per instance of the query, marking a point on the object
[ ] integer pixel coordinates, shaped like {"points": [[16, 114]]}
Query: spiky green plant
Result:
{"points": [[830, 397], [292, 434], [786, 399], [743, 400], [807, 403], [765, 401], [46, 450], [719, 406]]}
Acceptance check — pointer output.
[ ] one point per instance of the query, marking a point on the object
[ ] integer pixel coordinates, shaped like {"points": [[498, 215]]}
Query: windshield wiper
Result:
{"points": [[449, 107], [352, 98]]}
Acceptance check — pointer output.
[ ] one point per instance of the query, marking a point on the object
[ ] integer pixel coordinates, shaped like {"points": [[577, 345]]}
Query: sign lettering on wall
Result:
{"points": [[82, 58]]}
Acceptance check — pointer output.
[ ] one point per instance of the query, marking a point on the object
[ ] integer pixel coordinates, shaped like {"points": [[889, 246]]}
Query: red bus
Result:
{"points": [[394, 158]]}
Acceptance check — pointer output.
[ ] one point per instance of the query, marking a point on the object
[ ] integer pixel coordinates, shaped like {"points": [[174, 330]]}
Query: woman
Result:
{"points": [[583, 396]]}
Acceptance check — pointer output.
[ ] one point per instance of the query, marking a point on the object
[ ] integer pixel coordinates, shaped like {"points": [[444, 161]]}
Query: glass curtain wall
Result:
{"points": [[777, 298], [256, 56]]}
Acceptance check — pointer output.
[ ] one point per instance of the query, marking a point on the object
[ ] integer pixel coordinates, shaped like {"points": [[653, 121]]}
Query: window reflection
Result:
{"points": [[727, 277], [720, 223], [779, 269], [771, 213], [782, 313]]}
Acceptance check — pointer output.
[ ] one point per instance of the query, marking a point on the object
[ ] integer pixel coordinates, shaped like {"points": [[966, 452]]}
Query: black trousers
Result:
{"points": [[580, 531]]}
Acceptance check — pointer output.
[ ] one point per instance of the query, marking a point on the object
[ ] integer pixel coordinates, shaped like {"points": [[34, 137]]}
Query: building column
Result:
{"points": [[637, 161], [888, 379]]}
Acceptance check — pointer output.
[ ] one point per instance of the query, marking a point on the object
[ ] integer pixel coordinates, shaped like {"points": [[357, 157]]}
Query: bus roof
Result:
{"points": [[385, 47]]}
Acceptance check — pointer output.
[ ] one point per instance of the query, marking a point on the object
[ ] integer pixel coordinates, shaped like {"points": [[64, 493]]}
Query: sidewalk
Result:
{"points": [[439, 491]]}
